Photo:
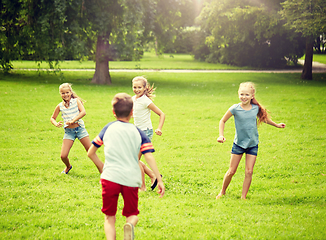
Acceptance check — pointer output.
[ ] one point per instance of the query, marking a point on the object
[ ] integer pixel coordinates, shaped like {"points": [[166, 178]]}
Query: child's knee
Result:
{"points": [[64, 156], [249, 172], [110, 219], [231, 172]]}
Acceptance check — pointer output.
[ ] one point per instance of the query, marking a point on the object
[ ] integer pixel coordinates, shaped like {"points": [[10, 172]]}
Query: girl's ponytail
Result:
{"points": [[262, 113]]}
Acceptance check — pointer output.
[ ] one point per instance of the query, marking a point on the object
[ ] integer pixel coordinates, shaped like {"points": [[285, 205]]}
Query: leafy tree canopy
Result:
{"points": [[305, 16], [244, 32]]}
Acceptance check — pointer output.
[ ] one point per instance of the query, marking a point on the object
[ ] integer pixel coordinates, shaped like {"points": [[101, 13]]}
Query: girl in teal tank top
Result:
{"points": [[246, 137]]}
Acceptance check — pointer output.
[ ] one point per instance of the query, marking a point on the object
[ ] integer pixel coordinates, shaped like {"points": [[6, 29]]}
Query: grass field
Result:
{"points": [[287, 199], [149, 61], [321, 58]]}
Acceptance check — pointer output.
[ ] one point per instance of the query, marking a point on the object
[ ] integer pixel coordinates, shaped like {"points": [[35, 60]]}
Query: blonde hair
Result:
{"points": [[263, 115], [73, 95], [149, 90]]}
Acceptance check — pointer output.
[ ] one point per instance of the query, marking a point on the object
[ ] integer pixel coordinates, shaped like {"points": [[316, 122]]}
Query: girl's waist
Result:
{"points": [[74, 125]]}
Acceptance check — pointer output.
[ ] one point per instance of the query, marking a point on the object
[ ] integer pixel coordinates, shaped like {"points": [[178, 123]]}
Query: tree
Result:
{"points": [[54, 30], [113, 21], [244, 33], [60, 29], [307, 17], [30, 28]]}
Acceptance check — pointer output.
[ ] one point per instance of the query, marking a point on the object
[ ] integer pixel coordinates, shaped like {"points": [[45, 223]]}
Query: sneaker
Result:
{"points": [[128, 230], [64, 172]]}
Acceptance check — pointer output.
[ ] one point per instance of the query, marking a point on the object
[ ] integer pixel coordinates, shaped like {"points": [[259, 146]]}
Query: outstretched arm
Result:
{"points": [[93, 156], [152, 164], [227, 115], [158, 111], [278, 125]]}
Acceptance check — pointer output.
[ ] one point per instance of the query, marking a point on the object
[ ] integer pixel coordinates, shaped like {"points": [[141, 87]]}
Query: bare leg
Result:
{"points": [[234, 163], [86, 143], [66, 146], [143, 186], [250, 163], [133, 219], [128, 228], [145, 170], [109, 227]]}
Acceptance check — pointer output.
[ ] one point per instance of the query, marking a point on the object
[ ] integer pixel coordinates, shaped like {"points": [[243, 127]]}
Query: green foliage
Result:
{"points": [[172, 17], [12, 20], [286, 199], [241, 33], [41, 31], [184, 42], [305, 16]]}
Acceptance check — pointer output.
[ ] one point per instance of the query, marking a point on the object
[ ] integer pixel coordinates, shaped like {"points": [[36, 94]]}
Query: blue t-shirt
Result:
{"points": [[122, 143], [246, 132]]}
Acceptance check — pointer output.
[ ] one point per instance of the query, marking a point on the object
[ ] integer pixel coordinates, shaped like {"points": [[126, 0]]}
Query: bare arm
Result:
{"points": [[152, 164], [54, 116], [82, 113], [227, 115], [158, 111], [93, 156], [278, 125]]}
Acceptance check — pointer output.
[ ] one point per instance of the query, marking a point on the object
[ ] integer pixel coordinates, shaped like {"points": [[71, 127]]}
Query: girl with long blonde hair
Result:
{"points": [[246, 137]]}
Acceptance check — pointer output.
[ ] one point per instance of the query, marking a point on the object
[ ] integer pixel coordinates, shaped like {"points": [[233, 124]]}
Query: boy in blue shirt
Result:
{"points": [[121, 173]]}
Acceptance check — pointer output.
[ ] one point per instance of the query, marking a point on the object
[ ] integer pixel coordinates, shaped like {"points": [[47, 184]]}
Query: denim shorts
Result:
{"points": [[239, 150], [73, 133], [149, 133]]}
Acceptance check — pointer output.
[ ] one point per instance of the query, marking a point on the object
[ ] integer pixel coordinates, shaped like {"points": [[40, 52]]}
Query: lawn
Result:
{"points": [[287, 199], [321, 58], [149, 61]]}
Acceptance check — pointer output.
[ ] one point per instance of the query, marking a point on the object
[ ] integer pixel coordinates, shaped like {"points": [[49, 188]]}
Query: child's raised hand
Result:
{"points": [[158, 132], [221, 139]]}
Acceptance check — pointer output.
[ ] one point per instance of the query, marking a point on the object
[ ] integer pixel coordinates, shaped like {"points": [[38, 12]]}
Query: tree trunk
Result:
{"points": [[102, 74], [307, 67]]}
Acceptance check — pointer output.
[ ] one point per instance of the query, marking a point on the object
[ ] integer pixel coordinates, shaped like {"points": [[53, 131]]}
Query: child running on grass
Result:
{"points": [[143, 105], [121, 173], [72, 111], [246, 137]]}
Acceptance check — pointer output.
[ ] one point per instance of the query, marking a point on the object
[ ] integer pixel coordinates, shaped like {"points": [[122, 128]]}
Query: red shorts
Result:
{"points": [[110, 196]]}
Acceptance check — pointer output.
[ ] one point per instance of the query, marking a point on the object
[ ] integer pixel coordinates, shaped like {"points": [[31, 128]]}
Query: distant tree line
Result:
{"points": [[264, 34]]}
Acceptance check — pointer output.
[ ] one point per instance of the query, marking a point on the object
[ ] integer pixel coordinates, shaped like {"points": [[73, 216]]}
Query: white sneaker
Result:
{"points": [[128, 230]]}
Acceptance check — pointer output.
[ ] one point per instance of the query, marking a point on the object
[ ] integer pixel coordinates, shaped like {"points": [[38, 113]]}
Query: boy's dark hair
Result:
{"points": [[122, 104]]}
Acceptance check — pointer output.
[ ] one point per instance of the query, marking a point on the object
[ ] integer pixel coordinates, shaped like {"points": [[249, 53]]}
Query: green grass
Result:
{"points": [[287, 199], [149, 61], [321, 58]]}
